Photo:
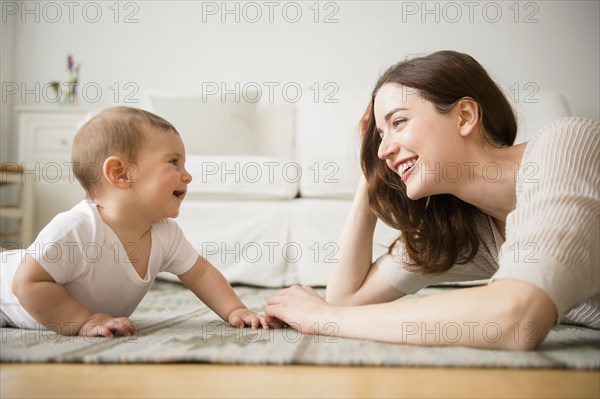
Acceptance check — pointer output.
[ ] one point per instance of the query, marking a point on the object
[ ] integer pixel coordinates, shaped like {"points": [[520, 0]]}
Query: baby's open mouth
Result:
{"points": [[179, 194]]}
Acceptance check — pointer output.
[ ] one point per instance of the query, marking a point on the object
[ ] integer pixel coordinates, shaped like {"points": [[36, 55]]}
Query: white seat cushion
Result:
{"points": [[244, 240], [316, 228]]}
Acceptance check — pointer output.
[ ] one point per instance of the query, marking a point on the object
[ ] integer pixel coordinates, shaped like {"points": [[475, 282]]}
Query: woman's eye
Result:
{"points": [[398, 121]]}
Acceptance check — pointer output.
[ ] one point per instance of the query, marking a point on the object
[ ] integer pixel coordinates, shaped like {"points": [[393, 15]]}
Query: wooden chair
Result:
{"points": [[13, 174]]}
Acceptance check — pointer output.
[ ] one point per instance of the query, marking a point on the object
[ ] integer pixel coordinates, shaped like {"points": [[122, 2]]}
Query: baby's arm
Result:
{"points": [[211, 287], [51, 305]]}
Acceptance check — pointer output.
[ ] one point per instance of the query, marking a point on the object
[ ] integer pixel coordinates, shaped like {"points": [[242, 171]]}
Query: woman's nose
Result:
{"points": [[387, 147]]}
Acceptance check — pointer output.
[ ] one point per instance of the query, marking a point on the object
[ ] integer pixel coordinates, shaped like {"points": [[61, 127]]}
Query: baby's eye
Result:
{"points": [[174, 161], [398, 121]]}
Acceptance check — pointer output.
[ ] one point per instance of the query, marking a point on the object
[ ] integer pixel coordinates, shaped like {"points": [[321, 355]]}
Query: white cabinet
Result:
{"points": [[45, 139]]}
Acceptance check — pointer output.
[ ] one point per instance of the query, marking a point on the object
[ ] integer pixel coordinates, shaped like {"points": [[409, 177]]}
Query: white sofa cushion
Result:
{"points": [[329, 177], [327, 146], [275, 129], [242, 177], [235, 149], [208, 125]]}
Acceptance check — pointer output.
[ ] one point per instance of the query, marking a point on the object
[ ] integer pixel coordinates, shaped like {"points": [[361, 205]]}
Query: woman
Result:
{"points": [[439, 165]]}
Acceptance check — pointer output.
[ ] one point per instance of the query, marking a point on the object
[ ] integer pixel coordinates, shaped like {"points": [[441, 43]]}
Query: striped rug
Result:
{"points": [[174, 327]]}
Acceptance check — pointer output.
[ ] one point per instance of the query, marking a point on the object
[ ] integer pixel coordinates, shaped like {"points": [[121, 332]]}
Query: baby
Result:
{"points": [[91, 266]]}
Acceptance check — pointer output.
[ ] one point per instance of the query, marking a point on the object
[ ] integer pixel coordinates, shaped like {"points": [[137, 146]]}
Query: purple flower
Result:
{"points": [[70, 62]]}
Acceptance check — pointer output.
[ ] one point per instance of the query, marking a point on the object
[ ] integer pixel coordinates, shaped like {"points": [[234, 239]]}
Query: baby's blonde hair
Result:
{"points": [[114, 131]]}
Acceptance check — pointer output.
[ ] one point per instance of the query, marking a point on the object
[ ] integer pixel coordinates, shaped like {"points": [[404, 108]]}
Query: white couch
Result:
{"points": [[273, 183]]}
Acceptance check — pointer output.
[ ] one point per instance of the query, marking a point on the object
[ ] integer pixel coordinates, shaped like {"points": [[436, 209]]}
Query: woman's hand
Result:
{"points": [[364, 122], [104, 325], [301, 308]]}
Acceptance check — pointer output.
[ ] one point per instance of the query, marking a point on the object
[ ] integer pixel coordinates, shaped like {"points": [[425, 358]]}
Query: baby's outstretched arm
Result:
{"points": [[51, 305], [211, 287]]}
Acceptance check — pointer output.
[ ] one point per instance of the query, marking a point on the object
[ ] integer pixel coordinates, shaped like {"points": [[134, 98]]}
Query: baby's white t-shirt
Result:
{"points": [[84, 255]]}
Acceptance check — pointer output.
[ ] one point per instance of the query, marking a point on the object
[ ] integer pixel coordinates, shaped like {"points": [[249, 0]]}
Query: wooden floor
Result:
{"points": [[216, 381]]}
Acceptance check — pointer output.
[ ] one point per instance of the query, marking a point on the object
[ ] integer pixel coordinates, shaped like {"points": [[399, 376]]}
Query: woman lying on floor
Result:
{"points": [[439, 164]]}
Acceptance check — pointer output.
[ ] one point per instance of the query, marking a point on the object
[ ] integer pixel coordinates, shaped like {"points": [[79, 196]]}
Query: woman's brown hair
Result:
{"points": [[440, 231]]}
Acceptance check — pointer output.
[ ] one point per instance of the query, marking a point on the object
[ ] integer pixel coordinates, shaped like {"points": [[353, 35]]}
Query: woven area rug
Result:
{"points": [[174, 327]]}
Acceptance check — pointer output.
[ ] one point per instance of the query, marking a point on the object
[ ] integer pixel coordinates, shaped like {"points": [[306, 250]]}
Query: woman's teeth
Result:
{"points": [[406, 165]]}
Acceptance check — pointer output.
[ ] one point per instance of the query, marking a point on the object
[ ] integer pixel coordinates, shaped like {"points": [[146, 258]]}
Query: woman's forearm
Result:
{"points": [[505, 314], [356, 248]]}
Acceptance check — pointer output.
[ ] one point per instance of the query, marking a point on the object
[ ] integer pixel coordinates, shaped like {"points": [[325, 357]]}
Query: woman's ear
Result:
{"points": [[469, 114], [115, 172]]}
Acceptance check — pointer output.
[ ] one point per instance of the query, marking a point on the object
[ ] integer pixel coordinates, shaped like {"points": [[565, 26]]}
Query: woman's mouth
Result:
{"points": [[405, 168]]}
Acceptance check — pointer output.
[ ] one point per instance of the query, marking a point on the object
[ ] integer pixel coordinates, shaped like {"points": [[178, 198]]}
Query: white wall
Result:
{"points": [[179, 46]]}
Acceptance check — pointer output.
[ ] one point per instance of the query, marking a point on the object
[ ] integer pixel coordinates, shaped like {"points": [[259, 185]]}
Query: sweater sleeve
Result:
{"points": [[552, 235]]}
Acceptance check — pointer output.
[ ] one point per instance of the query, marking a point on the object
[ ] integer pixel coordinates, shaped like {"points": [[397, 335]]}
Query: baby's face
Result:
{"points": [[160, 178]]}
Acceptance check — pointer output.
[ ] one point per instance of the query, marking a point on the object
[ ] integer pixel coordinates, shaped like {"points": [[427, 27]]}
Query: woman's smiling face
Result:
{"points": [[417, 141]]}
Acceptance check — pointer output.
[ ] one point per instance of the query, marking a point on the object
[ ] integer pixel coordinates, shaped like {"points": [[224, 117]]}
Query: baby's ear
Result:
{"points": [[115, 172]]}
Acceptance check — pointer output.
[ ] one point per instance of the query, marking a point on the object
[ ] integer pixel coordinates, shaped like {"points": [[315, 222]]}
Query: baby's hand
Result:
{"points": [[243, 317], [104, 325]]}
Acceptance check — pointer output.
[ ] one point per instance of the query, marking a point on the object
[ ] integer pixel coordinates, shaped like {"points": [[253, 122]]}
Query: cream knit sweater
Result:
{"points": [[552, 235]]}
